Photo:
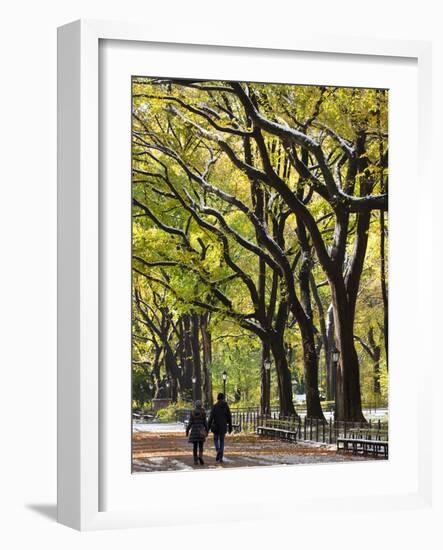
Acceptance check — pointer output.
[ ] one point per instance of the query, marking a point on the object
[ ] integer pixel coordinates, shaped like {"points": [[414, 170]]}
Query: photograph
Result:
{"points": [[259, 274]]}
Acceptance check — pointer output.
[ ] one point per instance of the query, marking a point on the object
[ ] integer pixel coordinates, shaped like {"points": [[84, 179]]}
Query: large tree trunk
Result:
{"points": [[187, 364], [156, 379], [172, 372], [278, 350], [170, 361], [258, 201], [310, 362], [181, 343], [265, 377], [283, 376], [310, 357], [347, 395], [330, 365], [344, 292], [323, 331], [349, 386], [196, 363], [375, 356], [207, 359]]}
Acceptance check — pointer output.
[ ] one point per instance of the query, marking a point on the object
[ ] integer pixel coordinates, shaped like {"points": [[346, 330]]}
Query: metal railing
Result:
{"points": [[327, 431]]}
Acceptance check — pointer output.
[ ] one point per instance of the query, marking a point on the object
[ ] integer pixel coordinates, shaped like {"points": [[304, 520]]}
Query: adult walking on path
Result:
{"points": [[197, 430], [220, 421]]}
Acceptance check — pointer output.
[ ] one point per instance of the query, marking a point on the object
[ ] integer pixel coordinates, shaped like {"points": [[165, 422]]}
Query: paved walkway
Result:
{"points": [[166, 450]]}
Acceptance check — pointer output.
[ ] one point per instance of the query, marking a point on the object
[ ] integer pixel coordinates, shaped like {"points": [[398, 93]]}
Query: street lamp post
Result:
{"points": [[194, 380], [335, 356], [267, 396], [224, 376]]}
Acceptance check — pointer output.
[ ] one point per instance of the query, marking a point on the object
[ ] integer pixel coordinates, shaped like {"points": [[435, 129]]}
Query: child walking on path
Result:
{"points": [[197, 430]]}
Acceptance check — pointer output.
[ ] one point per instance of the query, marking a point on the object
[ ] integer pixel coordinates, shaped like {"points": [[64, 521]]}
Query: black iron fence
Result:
{"points": [[326, 431], [308, 429], [246, 419]]}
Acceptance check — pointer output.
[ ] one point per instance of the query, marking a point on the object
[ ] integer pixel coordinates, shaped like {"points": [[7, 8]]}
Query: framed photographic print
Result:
{"points": [[235, 290]]}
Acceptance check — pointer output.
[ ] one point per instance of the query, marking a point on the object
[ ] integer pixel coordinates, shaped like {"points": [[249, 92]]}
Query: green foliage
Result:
{"points": [[239, 357], [196, 255], [168, 414]]}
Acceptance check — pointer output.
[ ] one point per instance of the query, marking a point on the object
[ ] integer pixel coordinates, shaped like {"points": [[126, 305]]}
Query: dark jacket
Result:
{"points": [[220, 419], [197, 427]]}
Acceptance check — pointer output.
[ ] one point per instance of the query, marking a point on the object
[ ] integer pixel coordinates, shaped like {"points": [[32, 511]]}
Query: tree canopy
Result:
{"points": [[260, 242]]}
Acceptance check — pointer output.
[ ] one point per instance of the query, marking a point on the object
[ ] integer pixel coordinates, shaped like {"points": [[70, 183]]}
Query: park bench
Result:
{"points": [[281, 433], [357, 445]]}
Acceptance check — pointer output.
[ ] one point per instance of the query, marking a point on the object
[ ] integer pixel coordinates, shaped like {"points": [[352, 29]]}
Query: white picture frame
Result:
{"points": [[81, 469]]}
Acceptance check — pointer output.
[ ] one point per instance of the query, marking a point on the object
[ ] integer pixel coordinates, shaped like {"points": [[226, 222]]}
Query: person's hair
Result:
{"points": [[198, 404], [220, 396]]}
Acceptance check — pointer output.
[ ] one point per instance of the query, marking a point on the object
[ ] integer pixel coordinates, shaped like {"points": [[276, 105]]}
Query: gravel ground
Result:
{"points": [[155, 451]]}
